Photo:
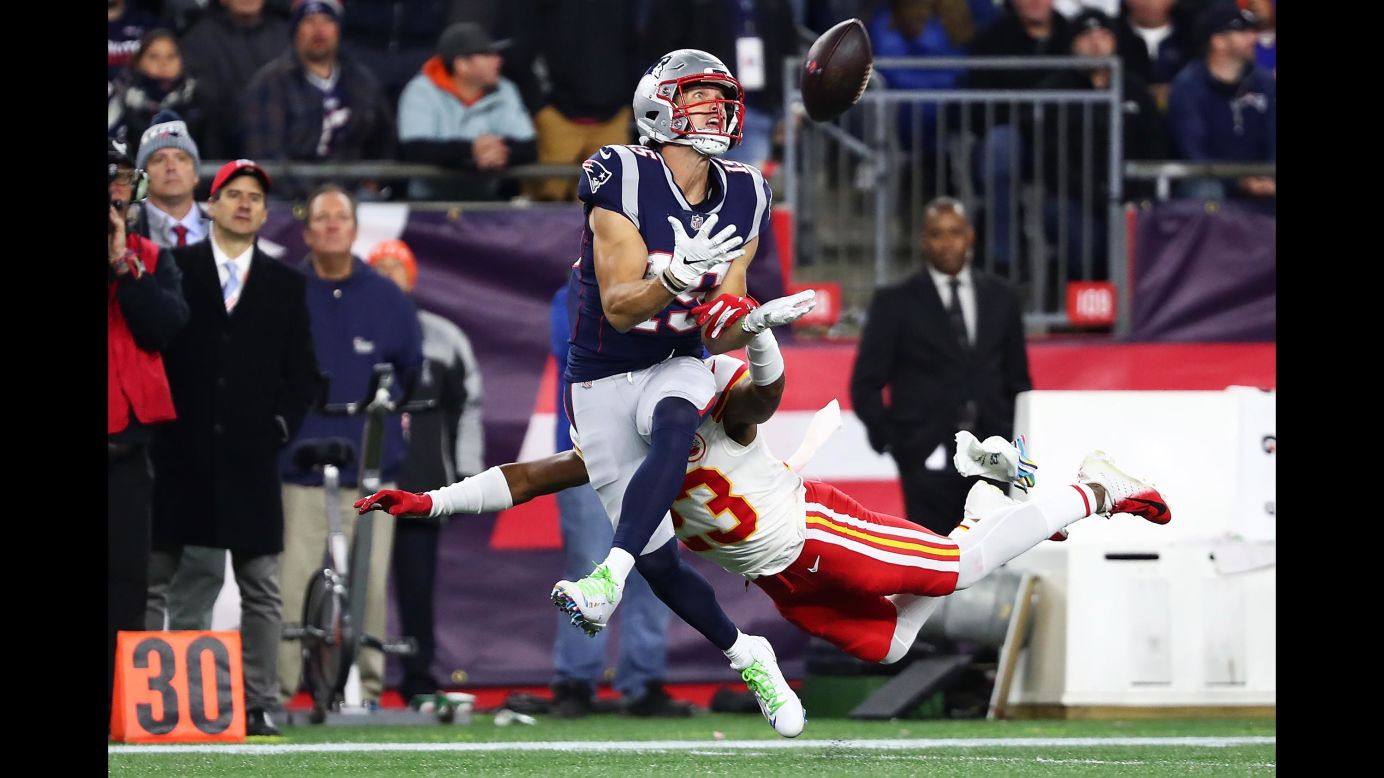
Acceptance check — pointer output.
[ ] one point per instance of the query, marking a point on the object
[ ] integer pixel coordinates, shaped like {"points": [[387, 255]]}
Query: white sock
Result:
{"points": [[914, 610], [739, 652], [620, 563], [999, 538]]}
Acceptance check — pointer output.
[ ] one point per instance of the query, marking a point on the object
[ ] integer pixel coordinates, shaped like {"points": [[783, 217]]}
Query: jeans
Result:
{"points": [[1002, 148], [642, 617]]}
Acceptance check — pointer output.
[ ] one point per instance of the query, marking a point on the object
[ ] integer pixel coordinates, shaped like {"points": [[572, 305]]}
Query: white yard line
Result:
{"points": [[698, 745]]}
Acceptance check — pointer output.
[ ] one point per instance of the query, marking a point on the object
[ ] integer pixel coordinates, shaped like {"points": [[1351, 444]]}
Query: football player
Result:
{"points": [[862, 580]]}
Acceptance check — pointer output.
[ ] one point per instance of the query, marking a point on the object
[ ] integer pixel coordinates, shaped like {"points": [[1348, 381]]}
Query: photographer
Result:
{"points": [[144, 310]]}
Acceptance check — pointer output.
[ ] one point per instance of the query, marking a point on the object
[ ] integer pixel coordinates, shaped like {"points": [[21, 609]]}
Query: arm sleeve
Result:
{"points": [[1185, 123], [153, 305], [602, 183], [300, 379]]}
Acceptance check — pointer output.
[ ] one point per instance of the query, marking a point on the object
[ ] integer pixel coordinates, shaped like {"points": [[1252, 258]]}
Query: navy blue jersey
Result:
{"points": [[633, 181]]}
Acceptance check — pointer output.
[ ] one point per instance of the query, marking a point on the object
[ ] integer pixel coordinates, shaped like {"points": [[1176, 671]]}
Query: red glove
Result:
{"points": [[396, 502], [723, 312]]}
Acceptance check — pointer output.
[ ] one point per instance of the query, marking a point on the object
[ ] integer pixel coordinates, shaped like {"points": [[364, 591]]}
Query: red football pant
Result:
{"points": [[852, 559]]}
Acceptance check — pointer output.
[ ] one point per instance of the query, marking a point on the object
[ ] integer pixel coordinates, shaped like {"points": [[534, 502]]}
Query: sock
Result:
{"points": [[999, 538], [914, 610], [620, 564], [687, 594], [739, 652], [659, 477]]}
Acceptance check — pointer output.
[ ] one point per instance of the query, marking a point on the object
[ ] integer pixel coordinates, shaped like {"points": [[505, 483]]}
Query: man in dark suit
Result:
{"points": [[949, 344], [243, 374]]}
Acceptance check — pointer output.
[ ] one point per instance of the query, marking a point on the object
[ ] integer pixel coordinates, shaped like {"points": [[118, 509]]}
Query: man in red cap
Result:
{"points": [[243, 374]]}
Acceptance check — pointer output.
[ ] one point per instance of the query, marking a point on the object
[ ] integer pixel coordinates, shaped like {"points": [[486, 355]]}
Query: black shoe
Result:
{"points": [[571, 699], [257, 722], [656, 702]]}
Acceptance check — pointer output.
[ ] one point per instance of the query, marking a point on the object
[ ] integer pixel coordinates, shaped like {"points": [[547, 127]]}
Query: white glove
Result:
{"points": [[779, 311], [995, 458], [693, 256]]}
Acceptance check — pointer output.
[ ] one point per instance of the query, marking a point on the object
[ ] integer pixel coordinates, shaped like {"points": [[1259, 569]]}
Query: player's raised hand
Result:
{"points": [[779, 311], [698, 253], [396, 502], [722, 312]]}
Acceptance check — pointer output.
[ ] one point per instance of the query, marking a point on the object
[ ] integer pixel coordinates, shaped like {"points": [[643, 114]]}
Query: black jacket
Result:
{"points": [[908, 345], [590, 52], [223, 55], [242, 384]]}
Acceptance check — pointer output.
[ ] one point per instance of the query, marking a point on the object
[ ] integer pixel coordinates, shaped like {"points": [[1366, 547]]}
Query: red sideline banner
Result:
{"points": [[178, 687]]}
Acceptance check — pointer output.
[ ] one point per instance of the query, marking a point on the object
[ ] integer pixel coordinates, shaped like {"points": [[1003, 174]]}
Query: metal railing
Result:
{"points": [[857, 183], [387, 169], [1164, 172]]}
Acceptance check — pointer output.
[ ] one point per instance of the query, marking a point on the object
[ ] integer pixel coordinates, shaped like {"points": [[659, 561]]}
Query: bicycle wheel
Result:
{"points": [[329, 643]]}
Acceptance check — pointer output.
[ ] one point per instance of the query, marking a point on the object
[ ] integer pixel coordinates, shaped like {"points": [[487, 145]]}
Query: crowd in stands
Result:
{"points": [[480, 86]]}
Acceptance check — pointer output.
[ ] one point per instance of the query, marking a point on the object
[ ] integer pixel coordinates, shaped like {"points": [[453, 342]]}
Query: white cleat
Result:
{"points": [[590, 601], [777, 700]]}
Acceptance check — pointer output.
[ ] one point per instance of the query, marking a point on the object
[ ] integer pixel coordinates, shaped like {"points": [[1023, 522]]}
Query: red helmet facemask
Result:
{"points": [[682, 124]]}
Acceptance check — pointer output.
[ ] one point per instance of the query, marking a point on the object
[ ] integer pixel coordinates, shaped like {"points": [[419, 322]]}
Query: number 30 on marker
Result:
{"points": [[178, 687]]}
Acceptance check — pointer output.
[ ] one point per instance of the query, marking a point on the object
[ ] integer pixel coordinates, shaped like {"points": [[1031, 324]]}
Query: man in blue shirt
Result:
{"points": [[1223, 108], [359, 318]]}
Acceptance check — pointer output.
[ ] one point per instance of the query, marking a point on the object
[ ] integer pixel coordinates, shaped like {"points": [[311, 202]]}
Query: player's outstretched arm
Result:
{"points": [[733, 284], [493, 490], [621, 257]]}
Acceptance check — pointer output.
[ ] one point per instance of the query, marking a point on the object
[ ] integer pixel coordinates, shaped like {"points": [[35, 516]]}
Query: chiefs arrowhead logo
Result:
{"points": [[698, 449]]}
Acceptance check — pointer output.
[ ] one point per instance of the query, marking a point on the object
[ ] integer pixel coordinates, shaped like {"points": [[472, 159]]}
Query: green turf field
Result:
{"points": [[728, 744]]}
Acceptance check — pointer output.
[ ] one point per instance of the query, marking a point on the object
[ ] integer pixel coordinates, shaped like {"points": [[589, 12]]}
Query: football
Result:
{"points": [[837, 68]]}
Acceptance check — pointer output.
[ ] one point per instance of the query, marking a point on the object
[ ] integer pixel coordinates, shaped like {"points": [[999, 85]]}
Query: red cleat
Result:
{"points": [[1124, 493]]}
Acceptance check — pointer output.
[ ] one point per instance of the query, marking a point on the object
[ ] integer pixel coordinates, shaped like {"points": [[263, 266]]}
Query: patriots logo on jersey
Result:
{"points": [[596, 173]]}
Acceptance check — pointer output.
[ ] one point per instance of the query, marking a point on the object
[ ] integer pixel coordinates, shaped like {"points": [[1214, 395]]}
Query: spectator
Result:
{"points": [[154, 82], [586, 534], [359, 318], [393, 38], [444, 444], [1064, 148], [589, 52], [144, 310], [1266, 47], [223, 51], [169, 156], [1154, 44], [753, 37], [921, 28], [949, 343], [460, 113], [170, 217], [1223, 108], [312, 104], [126, 24], [243, 375], [1028, 28]]}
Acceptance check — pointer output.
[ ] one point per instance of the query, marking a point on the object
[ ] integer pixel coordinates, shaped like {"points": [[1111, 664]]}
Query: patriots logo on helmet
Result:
{"points": [[596, 173]]}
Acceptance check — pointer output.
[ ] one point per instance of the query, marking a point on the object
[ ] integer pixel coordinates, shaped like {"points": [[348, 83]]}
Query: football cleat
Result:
{"points": [[589, 601], [777, 700], [1124, 493]]}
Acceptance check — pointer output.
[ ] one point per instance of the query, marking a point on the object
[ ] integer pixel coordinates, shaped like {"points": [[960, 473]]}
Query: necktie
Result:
{"points": [[181, 232], [954, 313], [230, 291]]}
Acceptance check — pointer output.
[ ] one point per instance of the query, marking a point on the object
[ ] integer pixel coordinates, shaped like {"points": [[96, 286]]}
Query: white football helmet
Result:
{"points": [[659, 117]]}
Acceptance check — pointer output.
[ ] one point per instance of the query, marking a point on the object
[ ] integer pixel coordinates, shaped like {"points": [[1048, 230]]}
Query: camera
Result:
{"points": [[116, 157]]}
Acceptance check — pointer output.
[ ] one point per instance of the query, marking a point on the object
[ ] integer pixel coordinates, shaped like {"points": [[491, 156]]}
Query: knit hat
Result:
{"points": [[397, 250], [167, 130], [302, 8]]}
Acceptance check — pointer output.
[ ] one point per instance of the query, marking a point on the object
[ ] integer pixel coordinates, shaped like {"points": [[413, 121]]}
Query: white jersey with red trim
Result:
{"points": [[740, 506]]}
